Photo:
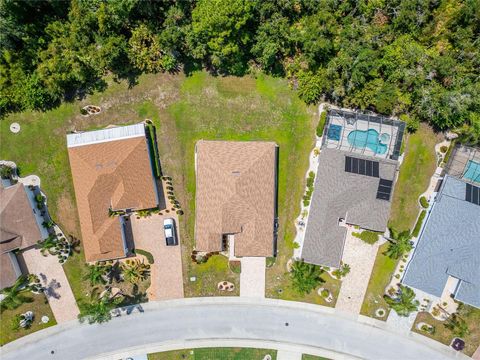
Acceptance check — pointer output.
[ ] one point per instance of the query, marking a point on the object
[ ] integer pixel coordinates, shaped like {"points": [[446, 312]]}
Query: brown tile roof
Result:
{"points": [[235, 194], [18, 226], [116, 174]]}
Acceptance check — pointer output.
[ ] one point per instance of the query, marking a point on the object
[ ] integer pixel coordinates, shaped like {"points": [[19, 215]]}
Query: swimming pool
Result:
{"points": [[473, 171], [369, 139]]}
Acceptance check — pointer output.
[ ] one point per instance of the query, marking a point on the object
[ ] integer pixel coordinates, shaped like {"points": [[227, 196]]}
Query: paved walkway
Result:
{"points": [[252, 277], [476, 354], [401, 324], [51, 274], [311, 329], [361, 257], [288, 355], [166, 272]]}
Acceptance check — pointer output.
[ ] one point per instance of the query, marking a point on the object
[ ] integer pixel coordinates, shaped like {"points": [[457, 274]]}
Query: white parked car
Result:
{"points": [[169, 228]]}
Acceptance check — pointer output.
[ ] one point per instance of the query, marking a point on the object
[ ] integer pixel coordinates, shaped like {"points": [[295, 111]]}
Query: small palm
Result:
{"points": [[400, 243], [13, 295], [404, 303], [305, 277]]}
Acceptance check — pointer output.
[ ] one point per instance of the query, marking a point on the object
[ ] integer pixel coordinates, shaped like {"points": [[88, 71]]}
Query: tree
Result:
{"points": [[14, 295], [49, 245], [97, 274], [98, 309], [400, 243], [221, 33], [135, 271], [404, 303], [457, 325], [305, 277]]}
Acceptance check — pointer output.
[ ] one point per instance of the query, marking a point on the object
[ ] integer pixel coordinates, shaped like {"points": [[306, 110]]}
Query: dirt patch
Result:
{"points": [[67, 214]]}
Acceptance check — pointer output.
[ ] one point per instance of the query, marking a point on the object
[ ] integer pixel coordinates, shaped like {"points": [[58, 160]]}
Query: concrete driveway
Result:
{"points": [[166, 273], [252, 277], [51, 274], [297, 327]]}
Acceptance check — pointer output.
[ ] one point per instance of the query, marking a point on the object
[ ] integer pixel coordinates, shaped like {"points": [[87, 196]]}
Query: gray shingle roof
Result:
{"points": [[449, 245], [339, 194]]}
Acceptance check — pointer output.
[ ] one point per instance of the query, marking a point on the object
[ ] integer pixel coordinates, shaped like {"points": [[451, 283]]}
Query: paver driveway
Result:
{"points": [[166, 272], [51, 274]]}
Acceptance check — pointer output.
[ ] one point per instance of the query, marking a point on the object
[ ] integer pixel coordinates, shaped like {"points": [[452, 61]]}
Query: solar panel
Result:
{"points": [[362, 166], [472, 194], [384, 189]]}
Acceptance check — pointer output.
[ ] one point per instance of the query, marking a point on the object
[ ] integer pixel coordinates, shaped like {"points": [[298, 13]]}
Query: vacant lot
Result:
{"points": [[183, 110], [215, 354], [417, 168]]}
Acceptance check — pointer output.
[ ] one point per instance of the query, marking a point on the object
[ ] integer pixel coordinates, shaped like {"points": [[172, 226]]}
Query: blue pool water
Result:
{"points": [[368, 139], [334, 132], [473, 171]]}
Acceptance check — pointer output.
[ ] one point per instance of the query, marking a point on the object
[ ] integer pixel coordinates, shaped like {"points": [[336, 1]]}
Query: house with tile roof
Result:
{"points": [[112, 171], [236, 195], [19, 230]]}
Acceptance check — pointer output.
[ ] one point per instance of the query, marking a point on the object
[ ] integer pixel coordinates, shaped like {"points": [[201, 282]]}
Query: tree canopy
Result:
{"points": [[417, 58]]}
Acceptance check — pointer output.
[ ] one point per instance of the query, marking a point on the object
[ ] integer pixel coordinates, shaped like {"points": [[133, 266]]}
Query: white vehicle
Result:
{"points": [[169, 228]]}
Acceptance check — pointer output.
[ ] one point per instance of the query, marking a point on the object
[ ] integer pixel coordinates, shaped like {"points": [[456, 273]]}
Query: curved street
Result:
{"points": [[180, 323]]}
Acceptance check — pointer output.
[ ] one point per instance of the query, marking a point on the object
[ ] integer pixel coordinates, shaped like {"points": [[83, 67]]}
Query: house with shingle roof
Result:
{"points": [[236, 194], [448, 250], [112, 171], [19, 230]]}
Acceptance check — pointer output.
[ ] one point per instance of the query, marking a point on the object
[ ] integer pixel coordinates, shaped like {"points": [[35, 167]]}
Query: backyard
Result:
{"points": [[471, 316], [214, 354], [38, 305], [190, 108]]}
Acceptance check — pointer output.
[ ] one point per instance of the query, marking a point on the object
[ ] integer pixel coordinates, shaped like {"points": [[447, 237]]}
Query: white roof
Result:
{"points": [[104, 135]]}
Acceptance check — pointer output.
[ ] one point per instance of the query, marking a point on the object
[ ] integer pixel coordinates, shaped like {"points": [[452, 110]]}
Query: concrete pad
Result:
{"points": [[361, 257], [288, 355], [51, 274], [166, 273], [252, 277]]}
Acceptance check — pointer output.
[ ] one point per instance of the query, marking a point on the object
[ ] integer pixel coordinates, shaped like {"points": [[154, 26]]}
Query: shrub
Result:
{"points": [[145, 253], [270, 261], [342, 271], [443, 149], [424, 202], [370, 237], [321, 123], [449, 152], [418, 225], [412, 123], [325, 293], [306, 202]]}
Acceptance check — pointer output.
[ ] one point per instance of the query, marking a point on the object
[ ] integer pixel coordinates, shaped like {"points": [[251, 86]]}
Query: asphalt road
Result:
{"points": [[294, 325]]}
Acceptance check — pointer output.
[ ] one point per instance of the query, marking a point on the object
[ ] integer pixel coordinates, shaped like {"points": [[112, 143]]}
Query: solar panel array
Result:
{"points": [[384, 190], [472, 194], [362, 166]]}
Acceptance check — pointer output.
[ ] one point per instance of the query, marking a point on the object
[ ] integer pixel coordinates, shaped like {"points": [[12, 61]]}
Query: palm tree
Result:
{"points": [[457, 325], [49, 245], [13, 295], [135, 271], [98, 310], [404, 303], [400, 243], [97, 274], [305, 277]]}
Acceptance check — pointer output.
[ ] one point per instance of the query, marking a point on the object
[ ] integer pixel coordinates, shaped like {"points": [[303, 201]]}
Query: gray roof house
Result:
{"points": [[449, 245], [349, 188]]}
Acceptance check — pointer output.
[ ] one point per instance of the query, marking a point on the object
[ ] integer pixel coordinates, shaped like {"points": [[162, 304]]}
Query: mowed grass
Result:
{"points": [[313, 357], [471, 316], [39, 306], [416, 170], [209, 274], [230, 108], [214, 354], [184, 110], [380, 277]]}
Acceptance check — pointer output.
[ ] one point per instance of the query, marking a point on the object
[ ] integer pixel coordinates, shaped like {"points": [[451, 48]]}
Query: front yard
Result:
{"points": [[39, 306], [471, 316]]}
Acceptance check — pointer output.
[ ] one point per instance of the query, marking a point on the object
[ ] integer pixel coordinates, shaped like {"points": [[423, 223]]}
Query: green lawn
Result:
{"points": [[184, 110], [214, 354], [313, 357], [417, 168], [209, 274], [39, 306], [379, 279], [471, 316]]}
